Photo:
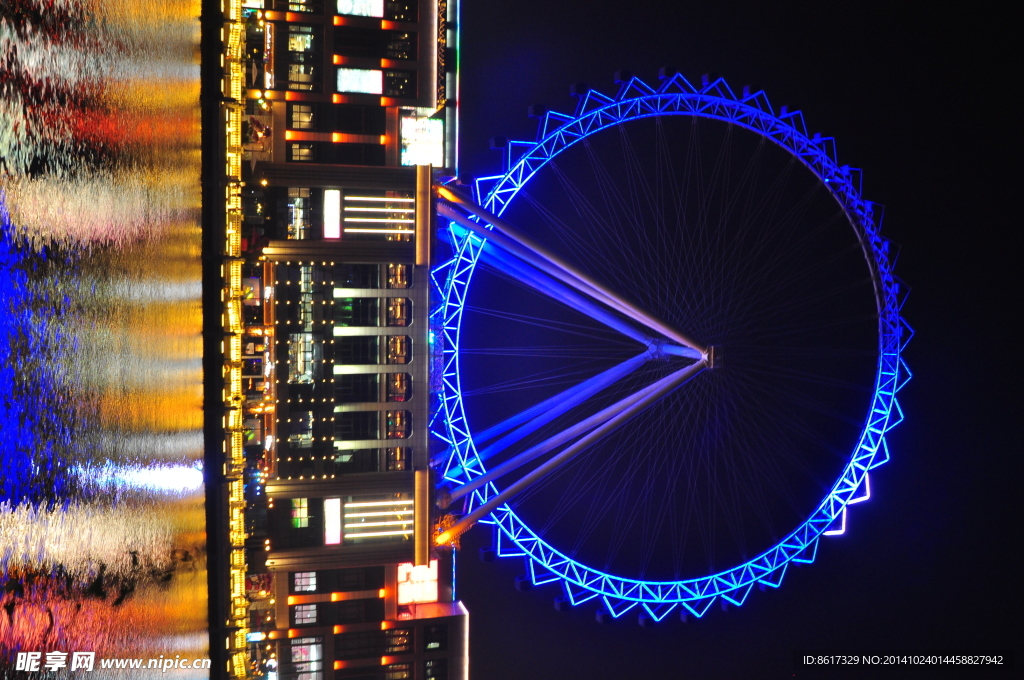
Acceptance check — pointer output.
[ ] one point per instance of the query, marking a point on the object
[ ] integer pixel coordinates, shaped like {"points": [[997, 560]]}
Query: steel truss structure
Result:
{"points": [[595, 111]]}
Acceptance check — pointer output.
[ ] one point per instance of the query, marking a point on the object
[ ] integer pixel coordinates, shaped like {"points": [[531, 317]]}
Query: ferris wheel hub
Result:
{"points": [[713, 357]]}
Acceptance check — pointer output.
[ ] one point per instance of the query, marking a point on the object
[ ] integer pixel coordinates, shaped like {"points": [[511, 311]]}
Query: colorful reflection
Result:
{"points": [[102, 525], [167, 479]]}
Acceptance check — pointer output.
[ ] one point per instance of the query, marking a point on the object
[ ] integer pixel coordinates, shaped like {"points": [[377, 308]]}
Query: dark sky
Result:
{"points": [[921, 102]]}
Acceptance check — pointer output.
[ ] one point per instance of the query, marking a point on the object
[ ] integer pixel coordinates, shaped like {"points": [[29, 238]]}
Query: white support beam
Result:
{"points": [[539, 256], [664, 386]]}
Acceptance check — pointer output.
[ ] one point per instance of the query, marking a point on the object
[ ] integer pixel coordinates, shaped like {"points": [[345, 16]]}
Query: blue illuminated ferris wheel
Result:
{"points": [[672, 341]]}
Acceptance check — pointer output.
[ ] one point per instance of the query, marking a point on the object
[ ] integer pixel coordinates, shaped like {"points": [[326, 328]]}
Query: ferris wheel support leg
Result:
{"points": [[584, 282], [636, 404], [543, 283], [543, 413], [529, 258], [523, 416], [563, 437], [521, 252]]}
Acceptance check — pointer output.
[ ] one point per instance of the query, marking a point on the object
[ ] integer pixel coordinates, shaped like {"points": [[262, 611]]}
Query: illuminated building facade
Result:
{"points": [[348, 119]]}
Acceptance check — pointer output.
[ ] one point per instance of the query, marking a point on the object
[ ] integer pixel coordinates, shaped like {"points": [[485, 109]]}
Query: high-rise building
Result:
{"points": [[349, 118]]}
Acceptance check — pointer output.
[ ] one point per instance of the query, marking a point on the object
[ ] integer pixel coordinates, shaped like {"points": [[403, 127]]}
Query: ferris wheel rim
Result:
{"points": [[558, 132]]}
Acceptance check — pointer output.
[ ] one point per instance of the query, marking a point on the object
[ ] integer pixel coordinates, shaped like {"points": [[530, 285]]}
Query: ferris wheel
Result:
{"points": [[672, 339]]}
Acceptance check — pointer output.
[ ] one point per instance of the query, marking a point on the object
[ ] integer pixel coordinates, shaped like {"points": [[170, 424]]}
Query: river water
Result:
{"points": [[102, 529]]}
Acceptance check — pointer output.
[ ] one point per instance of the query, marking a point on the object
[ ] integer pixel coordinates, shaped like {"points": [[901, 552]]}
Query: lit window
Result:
{"points": [[305, 614], [300, 153], [399, 349], [300, 76], [306, 279], [398, 424], [360, 80], [398, 276], [306, 649], [300, 38], [300, 513], [399, 311], [299, 208], [302, 118], [397, 640], [361, 8], [304, 581], [399, 45], [307, 658], [398, 671], [400, 83], [399, 387], [300, 434], [305, 353], [396, 459], [308, 6]]}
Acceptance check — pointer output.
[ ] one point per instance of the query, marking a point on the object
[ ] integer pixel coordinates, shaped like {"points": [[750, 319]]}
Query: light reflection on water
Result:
{"points": [[167, 479], [102, 528]]}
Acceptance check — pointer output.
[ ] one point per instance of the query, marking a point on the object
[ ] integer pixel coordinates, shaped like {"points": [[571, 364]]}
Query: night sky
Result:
{"points": [[920, 102]]}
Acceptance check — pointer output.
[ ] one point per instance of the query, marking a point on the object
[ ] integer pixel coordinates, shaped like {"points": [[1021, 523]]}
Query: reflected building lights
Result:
{"points": [[101, 504], [179, 479]]}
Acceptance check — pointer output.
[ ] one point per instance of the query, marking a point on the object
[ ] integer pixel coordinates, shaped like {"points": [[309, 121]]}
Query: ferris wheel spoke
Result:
{"points": [[599, 425], [510, 239], [530, 420], [542, 283], [563, 437]]}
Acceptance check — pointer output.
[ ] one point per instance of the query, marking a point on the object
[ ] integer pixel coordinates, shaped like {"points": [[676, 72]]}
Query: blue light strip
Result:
{"points": [[557, 132], [549, 286], [545, 412]]}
